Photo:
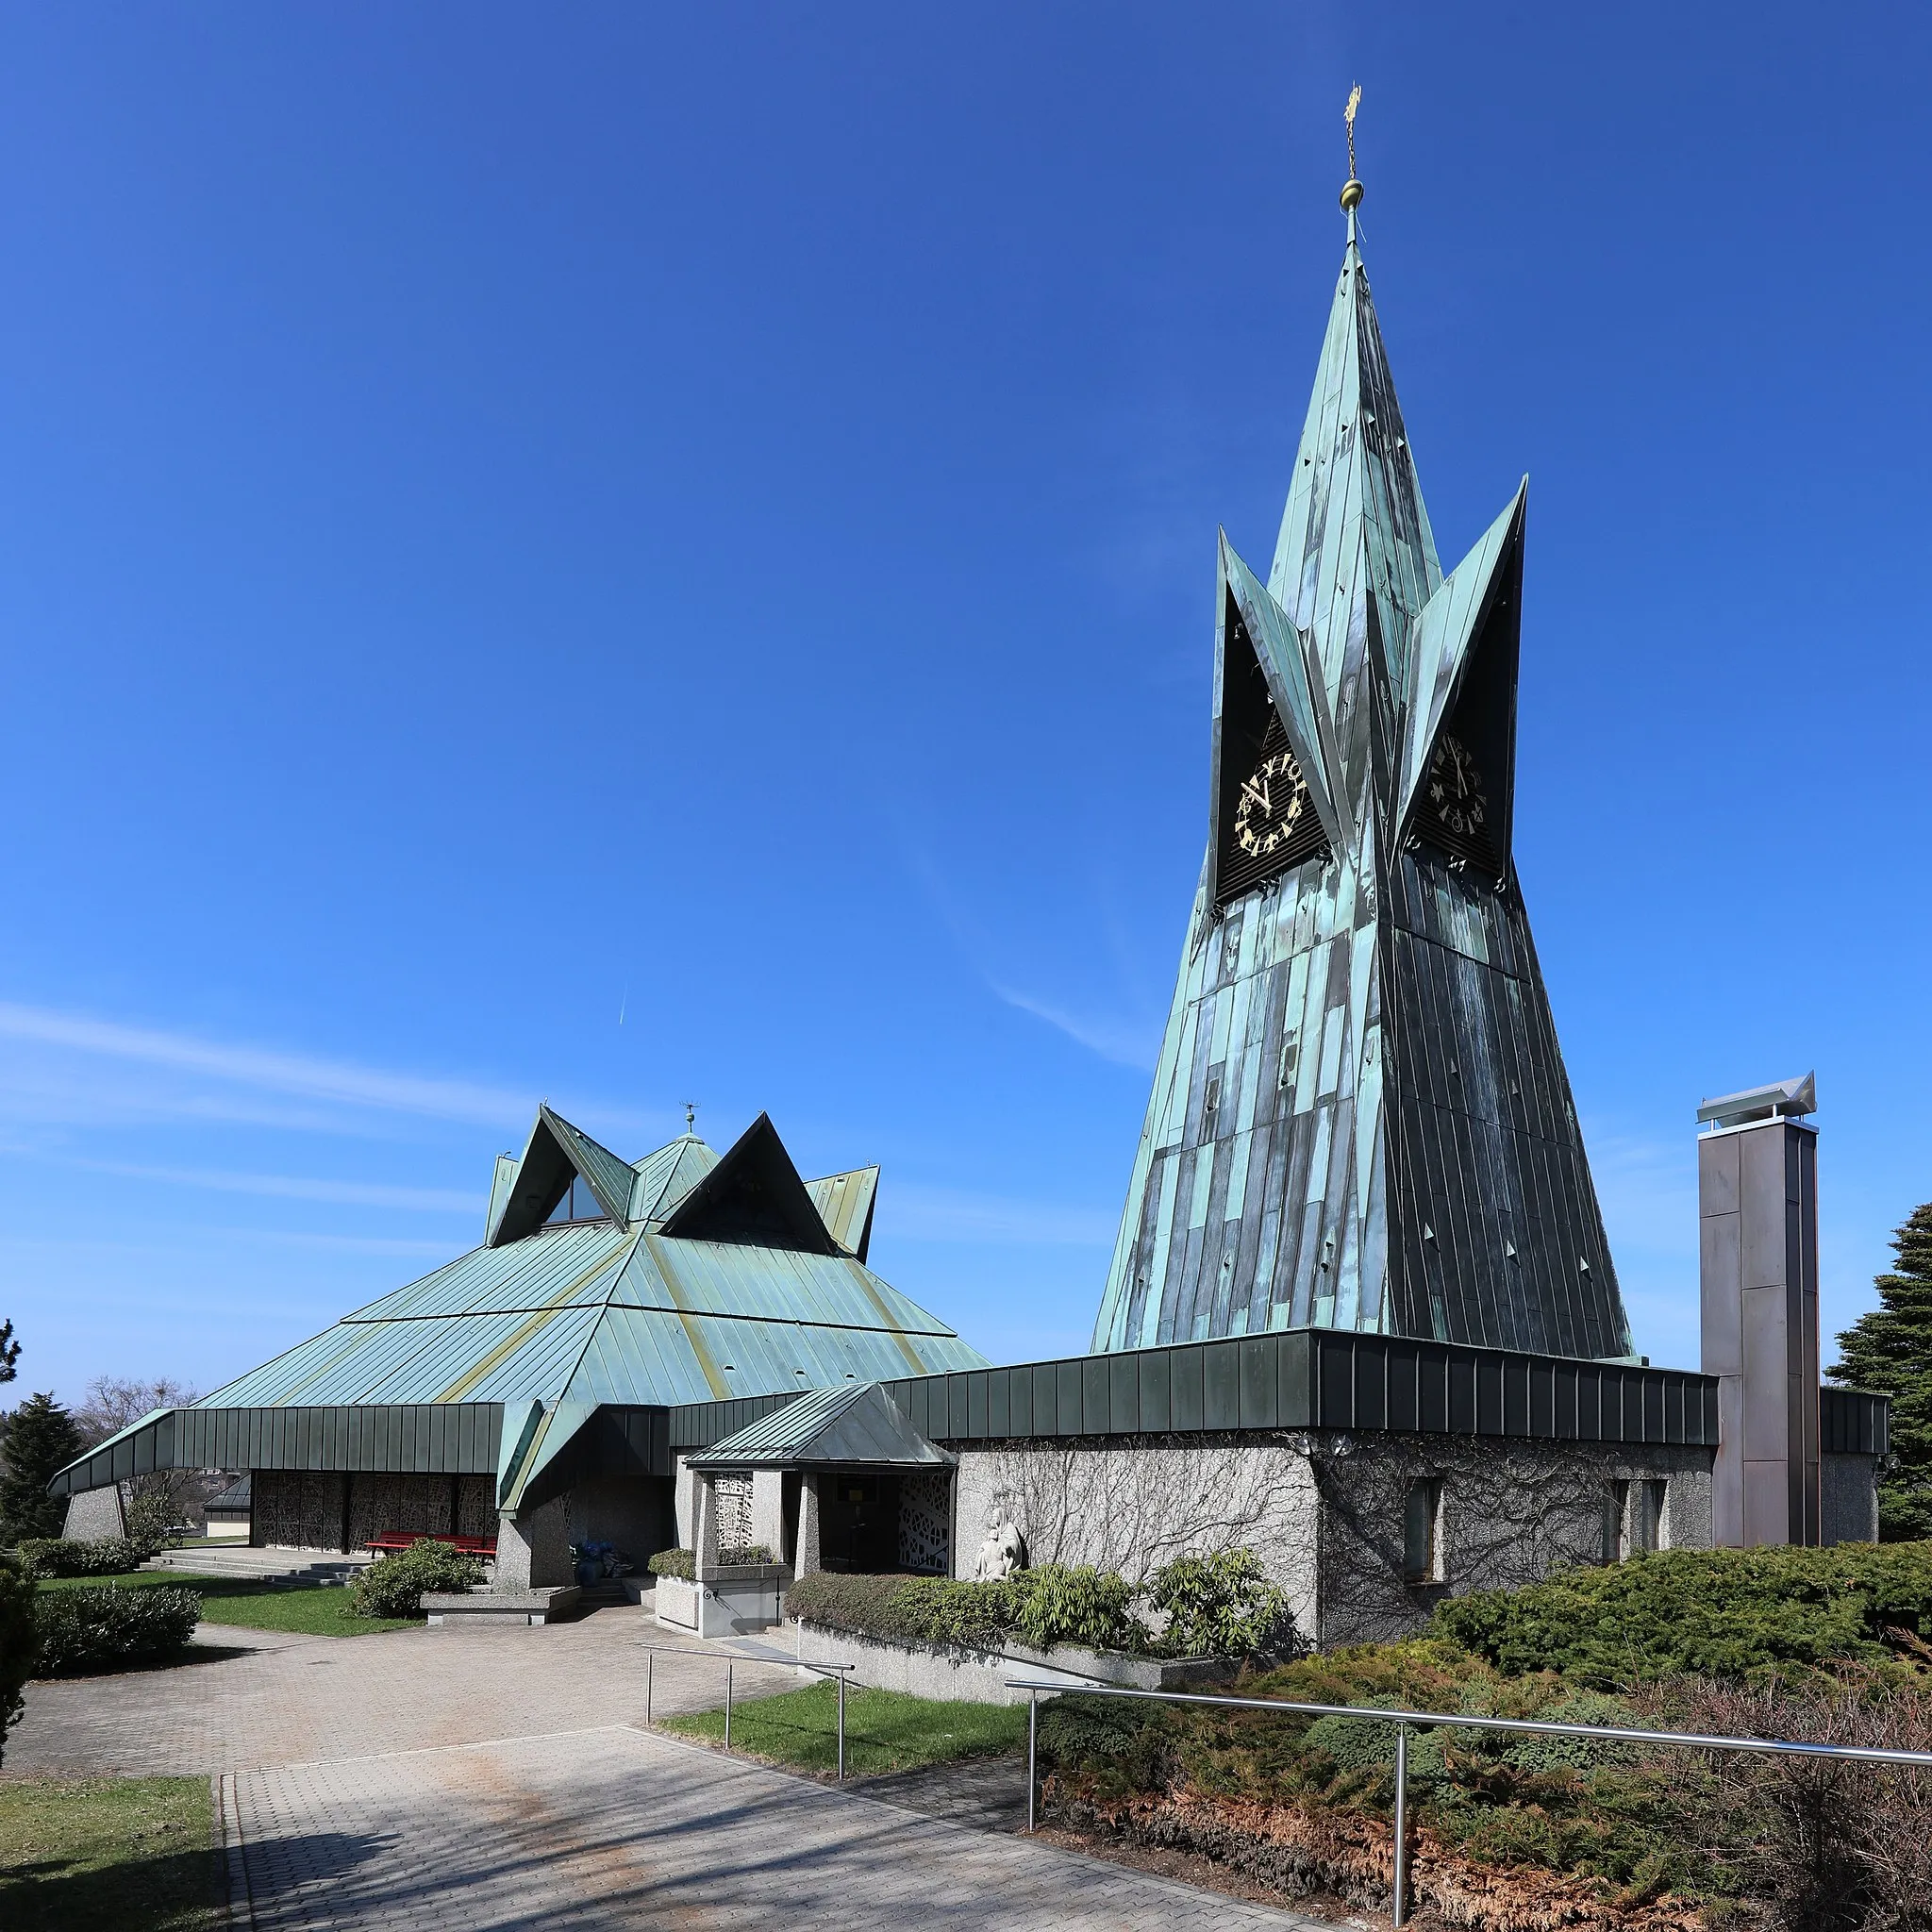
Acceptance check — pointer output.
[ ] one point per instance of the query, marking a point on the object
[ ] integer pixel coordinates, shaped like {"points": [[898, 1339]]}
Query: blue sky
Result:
{"points": [[632, 554]]}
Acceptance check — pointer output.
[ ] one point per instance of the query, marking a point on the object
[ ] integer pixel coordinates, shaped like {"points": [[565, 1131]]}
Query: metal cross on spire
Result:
{"points": [[1352, 190]]}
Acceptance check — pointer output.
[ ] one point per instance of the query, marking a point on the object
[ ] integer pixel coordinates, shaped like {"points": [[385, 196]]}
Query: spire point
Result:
{"points": [[1352, 188]]}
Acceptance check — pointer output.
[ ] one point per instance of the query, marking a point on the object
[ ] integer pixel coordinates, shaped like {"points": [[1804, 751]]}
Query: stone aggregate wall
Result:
{"points": [[533, 1547], [1850, 1496], [1511, 1513], [1324, 1510]]}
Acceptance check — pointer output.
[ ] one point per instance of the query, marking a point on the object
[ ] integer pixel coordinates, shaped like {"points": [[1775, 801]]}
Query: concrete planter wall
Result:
{"points": [[732, 1600], [483, 1605], [979, 1676]]}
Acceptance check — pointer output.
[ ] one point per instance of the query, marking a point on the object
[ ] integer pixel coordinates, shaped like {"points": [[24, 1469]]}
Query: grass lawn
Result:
{"points": [[885, 1730], [257, 1606], [131, 1853]]}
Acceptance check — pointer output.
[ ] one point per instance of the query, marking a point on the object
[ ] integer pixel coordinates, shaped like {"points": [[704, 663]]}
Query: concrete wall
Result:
{"points": [[533, 1547], [1850, 1498], [93, 1514], [1758, 1230], [1324, 1510], [1511, 1513]]}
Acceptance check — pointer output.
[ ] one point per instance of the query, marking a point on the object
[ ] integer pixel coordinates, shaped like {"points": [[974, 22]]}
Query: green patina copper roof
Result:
{"points": [[857, 1427], [618, 1311]]}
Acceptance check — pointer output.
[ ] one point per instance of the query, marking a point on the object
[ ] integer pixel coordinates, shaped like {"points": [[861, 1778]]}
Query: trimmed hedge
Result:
{"points": [[682, 1564], [108, 1628], [20, 1641], [1755, 1615], [1221, 1605], [108, 1555], [1041, 1608], [395, 1586]]}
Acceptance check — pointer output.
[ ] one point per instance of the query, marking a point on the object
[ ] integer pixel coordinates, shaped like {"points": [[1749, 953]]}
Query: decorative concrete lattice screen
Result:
{"points": [[733, 1510], [925, 1513]]}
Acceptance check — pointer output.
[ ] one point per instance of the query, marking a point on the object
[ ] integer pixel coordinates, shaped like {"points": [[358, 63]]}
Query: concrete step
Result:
{"points": [[268, 1566]]}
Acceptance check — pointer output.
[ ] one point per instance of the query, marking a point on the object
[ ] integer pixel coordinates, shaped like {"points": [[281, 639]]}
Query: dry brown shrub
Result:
{"points": [[1820, 1844], [1299, 1850]]}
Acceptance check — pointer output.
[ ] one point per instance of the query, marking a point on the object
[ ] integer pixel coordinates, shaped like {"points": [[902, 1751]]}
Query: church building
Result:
{"points": [[1361, 1315]]}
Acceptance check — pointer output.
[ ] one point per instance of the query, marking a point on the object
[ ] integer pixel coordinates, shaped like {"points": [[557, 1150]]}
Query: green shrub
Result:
{"points": [[1079, 1604], [395, 1586], [745, 1554], [1755, 1615], [862, 1604], [108, 1555], [106, 1629], [20, 1642], [1222, 1605], [679, 1563], [1041, 1608]]}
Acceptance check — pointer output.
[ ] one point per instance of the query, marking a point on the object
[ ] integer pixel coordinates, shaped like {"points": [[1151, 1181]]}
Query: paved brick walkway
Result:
{"points": [[485, 1780]]}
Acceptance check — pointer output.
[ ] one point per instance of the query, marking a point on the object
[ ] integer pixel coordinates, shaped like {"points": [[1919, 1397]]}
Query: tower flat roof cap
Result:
{"points": [[1786, 1097]]}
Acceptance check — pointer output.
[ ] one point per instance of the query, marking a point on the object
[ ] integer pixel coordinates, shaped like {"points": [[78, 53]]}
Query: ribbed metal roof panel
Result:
{"points": [[844, 1202], [610, 1178], [665, 1178], [858, 1424], [337, 1366], [716, 1277], [665, 1356], [577, 1263]]}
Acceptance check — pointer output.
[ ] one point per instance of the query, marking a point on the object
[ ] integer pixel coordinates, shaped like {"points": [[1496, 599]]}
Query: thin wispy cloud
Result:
{"points": [[912, 1212], [1126, 1043], [296, 1188], [295, 1075]]}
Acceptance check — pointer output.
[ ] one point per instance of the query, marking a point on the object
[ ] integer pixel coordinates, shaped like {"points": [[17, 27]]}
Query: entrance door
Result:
{"points": [[858, 1517]]}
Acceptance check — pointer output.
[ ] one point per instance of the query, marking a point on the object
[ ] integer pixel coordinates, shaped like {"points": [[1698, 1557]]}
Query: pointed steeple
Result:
{"points": [[1360, 1118], [1355, 526]]}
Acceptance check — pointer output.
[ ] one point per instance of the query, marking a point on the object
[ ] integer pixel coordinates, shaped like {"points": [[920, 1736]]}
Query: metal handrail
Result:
{"points": [[1430, 1719], [836, 1671]]}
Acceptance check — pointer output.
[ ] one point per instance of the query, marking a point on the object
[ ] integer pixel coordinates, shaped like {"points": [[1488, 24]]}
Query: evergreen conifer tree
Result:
{"points": [[1890, 1352], [40, 1439]]}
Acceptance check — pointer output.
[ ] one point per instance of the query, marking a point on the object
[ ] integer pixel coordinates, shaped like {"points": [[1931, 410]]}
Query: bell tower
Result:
{"points": [[1360, 1118]]}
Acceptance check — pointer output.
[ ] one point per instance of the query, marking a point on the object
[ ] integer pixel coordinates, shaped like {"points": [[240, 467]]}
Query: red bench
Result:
{"points": [[392, 1541]]}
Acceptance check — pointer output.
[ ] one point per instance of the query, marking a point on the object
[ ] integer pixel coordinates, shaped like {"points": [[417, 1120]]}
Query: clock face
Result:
{"points": [[1272, 805], [1456, 789]]}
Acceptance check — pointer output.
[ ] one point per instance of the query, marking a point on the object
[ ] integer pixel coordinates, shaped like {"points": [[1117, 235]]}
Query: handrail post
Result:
{"points": [[650, 1682], [1032, 1738], [1399, 1915], [727, 1706], [841, 1727]]}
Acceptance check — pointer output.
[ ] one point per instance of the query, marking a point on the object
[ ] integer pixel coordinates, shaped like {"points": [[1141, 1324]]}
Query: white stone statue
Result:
{"points": [[1003, 1551]]}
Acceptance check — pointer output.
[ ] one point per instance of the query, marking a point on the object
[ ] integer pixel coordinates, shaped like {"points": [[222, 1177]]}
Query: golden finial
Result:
{"points": [[1351, 192]]}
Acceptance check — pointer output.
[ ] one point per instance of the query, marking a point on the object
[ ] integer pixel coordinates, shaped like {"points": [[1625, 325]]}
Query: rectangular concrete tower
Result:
{"points": [[1757, 1210]]}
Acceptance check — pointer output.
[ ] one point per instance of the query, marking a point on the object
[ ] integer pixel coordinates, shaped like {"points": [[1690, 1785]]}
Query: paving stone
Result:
{"points": [[482, 1780]]}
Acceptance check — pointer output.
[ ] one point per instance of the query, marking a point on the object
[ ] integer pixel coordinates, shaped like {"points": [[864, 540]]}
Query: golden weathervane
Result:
{"points": [[1351, 192]]}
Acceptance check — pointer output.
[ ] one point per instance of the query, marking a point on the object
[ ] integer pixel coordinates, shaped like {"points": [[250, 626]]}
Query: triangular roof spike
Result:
{"points": [[1443, 645], [845, 1203], [501, 1182], [1294, 685], [1354, 479], [752, 1198], [608, 1177], [665, 1176], [555, 1152]]}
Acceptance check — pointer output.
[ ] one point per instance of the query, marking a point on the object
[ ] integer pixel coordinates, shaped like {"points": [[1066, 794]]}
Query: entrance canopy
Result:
{"points": [[855, 1426]]}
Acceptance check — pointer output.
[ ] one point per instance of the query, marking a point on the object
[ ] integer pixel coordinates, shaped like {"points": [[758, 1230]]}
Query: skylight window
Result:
{"points": [[579, 1204]]}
